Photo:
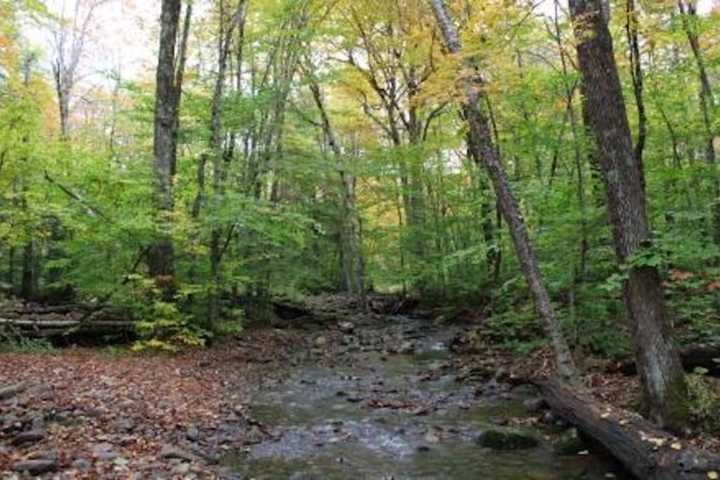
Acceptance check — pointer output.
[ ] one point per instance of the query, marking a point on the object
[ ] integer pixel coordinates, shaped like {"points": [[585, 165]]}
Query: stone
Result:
{"points": [[31, 436], [81, 464], [104, 452], [548, 418], [125, 425], [320, 341], [169, 452], [534, 405], [569, 443], [346, 327], [506, 440], [407, 347], [181, 469], [192, 434], [36, 467], [500, 421]]}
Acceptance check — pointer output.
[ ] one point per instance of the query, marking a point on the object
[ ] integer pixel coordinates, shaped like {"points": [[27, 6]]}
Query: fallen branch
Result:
{"points": [[646, 451]]}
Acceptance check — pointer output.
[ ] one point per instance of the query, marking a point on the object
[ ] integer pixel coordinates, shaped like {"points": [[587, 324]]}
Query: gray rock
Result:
{"points": [[506, 440], [32, 436], [169, 452], [548, 418], [81, 464], [192, 434], [125, 425], [36, 467], [181, 469], [104, 452], [320, 341], [569, 443], [346, 327], [534, 405], [407, 347]]}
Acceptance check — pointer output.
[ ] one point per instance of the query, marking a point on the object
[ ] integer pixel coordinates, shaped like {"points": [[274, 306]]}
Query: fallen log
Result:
{"points": [[705, 356], [646, 451], [56, 327]]}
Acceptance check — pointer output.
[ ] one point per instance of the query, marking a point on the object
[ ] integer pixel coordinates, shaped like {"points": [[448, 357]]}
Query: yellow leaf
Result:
{"points": [[676, 446], [713, 475]]}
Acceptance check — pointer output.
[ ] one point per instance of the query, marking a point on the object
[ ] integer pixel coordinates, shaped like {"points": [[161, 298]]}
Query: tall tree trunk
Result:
{"points": [[481, 143], [216, 150], [659, 366], [161, 261], [353, 264]]}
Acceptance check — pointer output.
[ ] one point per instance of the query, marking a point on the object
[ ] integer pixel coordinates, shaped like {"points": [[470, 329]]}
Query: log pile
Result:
{"points": [[33, 320], [646, 451]]}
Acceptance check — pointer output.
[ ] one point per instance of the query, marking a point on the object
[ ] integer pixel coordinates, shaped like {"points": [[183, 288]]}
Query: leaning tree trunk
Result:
{"points": [[161, 261], [658, 363], [482, 146]]}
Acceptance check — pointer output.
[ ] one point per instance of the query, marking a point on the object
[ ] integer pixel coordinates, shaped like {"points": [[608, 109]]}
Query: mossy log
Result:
{"points": [[646, 451]]}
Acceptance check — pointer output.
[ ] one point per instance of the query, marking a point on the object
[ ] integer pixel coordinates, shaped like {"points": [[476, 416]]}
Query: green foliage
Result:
{"points": [[704, 401], [14, 344], [165, 328]]}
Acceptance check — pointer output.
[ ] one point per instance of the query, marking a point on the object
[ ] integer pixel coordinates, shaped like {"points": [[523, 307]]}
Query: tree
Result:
{"points": [[480, 141], [658, 363], [69, 42], [167, 97]]}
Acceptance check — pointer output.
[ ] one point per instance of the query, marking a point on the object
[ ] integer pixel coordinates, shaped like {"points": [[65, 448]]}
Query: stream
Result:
{"points": [[388, 405]]}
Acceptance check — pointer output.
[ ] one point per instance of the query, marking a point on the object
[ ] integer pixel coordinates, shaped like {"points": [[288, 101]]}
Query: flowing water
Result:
{"points": [[379, 416]]}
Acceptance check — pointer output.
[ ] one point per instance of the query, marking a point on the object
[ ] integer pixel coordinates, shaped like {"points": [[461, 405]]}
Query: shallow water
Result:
{"points": [[375, 416]]}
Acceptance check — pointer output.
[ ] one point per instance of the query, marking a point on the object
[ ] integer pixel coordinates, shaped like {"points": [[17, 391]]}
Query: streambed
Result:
{"points": [[369, 413]]}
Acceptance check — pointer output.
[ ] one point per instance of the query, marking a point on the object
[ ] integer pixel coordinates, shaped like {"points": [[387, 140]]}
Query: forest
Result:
{"points": [[372, 239]]}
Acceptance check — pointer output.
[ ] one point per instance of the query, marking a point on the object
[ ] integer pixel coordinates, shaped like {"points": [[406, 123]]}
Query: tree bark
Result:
{"points": [[161, 261], [481, 143], [648, 453], [658, 363], [216, 150]]}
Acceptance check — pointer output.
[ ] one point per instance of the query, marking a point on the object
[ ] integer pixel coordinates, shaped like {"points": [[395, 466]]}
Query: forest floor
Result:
{"points": [[104, 413]]}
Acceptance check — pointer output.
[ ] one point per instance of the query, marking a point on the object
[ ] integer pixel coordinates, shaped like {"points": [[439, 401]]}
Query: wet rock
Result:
{"points": [[81, 464], [346, 327], [36, 467], [500, 421], [506, 440], [181, 469], [348, 340], [104, 452], [192, 434], [548, 418], [125, 425], [569, 443], [171, 452], [406, 348], [32, 436], [534, 405]]}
